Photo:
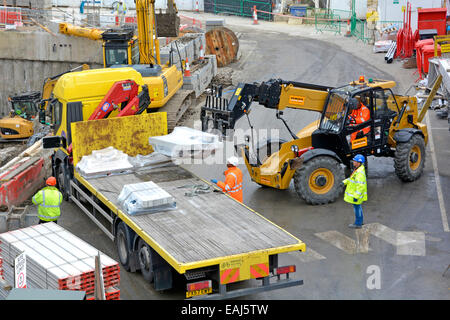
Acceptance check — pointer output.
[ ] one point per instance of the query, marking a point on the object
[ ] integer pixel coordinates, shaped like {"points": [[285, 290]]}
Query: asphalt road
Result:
{"points": [[408, 244]]}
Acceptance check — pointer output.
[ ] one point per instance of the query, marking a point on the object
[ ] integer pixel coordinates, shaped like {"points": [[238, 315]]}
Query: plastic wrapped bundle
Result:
{"points": [[145, 197], [152, 160], [186, 142], [104, 162]]}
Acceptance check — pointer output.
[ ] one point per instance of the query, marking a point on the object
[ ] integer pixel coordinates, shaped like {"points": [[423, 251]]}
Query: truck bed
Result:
{"points": [[203, 227]]}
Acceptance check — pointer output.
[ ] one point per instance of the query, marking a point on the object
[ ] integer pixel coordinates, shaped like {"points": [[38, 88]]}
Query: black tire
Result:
{"points": [[409, 159], [308, 180], [145, 260], [61, 181], [123, 240]]}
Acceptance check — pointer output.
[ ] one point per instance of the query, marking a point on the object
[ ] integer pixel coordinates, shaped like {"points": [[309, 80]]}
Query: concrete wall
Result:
{"points": [[28, 58]]}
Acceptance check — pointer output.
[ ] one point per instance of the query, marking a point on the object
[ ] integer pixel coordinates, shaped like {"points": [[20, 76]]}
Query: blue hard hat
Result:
{"points": [[359, 158]]}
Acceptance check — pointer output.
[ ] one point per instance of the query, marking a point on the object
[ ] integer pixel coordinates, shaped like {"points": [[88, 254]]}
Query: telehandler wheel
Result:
{"points": [[410, 158], [318, 181]]}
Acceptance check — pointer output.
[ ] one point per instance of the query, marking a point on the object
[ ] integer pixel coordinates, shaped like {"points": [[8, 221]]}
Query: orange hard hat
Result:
{"points": [[51, 181]]}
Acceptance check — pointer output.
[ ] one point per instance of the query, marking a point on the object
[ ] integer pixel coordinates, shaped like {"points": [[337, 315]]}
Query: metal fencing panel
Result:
{"points": [[243, 8]]}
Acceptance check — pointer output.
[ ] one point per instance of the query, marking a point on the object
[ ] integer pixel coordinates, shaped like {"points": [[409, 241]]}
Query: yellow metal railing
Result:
{"points": [[444, 42]]}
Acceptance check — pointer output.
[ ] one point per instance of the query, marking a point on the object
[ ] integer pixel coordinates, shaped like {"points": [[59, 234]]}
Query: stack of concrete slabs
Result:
{"points": [[56, 259]]}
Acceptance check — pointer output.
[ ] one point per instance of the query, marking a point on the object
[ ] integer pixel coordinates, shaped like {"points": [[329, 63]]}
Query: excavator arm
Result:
{"points": [[273, 94]]}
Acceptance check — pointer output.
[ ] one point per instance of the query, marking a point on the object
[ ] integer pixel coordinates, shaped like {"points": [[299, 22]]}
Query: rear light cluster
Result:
{"points": [[284, 270], [199, 285]]}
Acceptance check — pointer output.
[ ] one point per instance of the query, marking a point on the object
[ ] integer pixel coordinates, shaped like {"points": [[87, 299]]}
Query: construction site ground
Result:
{"points": [[402, 252]]}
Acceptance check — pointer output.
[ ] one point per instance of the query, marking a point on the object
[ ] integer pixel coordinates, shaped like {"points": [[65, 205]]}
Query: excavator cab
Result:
{"points": [[120, 47], [25, 105], [19, 124]]}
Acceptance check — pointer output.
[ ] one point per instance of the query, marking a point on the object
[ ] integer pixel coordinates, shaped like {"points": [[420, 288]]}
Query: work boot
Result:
{"points": [[354, 226]]}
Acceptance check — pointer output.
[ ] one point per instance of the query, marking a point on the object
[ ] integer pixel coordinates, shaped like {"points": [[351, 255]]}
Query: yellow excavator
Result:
{"points": [[121, 48], [317, 155], [25, 107]]}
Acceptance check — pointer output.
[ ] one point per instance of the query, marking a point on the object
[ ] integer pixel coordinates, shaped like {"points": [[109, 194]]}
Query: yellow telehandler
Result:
{"points": [[317, 155]]}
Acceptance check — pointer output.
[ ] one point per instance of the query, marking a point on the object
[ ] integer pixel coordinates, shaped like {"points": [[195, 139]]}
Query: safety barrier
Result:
{"points": [[186, 21], [359, 30], [444, 43], [242, 8], [10, 16], [327, 22]]}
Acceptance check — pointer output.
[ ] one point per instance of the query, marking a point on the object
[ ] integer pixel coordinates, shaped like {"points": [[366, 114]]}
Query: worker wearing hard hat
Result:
{"points": [[233, 179], [356, 189], [359, 114], [121, 9], [48, 200]]}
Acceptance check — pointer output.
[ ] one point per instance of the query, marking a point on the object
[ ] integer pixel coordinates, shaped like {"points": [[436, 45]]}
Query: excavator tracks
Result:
{"points": [[177, 106]]}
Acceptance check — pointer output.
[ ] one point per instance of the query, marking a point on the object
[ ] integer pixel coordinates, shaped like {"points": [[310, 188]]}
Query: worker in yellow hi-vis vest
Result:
{"points": [[48, 200], [121, 9], [356, 189]]}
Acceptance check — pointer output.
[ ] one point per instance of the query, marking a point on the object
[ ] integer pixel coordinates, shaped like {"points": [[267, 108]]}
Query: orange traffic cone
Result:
{"points": [[348, 33], [202, 53], [187, 70], [255, 16]]}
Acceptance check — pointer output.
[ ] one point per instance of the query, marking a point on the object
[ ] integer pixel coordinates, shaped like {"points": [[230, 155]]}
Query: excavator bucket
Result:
{"points": [[168, 24]]}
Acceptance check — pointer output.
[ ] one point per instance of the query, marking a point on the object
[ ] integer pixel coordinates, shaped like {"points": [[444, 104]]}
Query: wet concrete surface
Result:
{"points": [[328, 272]]}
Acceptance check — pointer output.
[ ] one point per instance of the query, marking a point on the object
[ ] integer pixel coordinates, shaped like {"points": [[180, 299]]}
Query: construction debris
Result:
{"points": [[29, 168]]}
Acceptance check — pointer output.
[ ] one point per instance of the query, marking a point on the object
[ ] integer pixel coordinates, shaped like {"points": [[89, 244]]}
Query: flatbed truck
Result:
{"points": [[209, 238]]}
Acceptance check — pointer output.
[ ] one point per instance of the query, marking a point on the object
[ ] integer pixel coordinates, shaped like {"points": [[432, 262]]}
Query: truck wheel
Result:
{"points": [[60, 174], [145, 260], [318, 181], [122, 245], [409, 158]]}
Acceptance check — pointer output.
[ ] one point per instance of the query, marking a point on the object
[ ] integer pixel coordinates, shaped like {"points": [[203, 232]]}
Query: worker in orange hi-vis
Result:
{"points": [[359, 114], [233, 179]]}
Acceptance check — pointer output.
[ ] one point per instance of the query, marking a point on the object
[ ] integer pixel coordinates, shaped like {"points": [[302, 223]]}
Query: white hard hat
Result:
{"points": [[233, 161]]}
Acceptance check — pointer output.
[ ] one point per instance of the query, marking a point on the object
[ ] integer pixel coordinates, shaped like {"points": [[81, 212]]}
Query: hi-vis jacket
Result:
{"points": [[360, 115], [233, 183], [48, 200], [356, 186]]}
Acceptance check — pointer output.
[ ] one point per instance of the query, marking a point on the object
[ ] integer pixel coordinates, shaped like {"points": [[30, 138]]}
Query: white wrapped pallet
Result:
{"points": [[104, 162], [185, 142], [145, 197]]}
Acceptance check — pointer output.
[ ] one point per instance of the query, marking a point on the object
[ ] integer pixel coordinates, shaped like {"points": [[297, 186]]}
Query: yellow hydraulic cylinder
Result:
{"points": [[70, 29]]}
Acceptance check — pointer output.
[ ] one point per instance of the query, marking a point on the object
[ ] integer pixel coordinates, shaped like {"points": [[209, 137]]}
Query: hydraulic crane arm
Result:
{"points": [[122, 92], [273, 94]]}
